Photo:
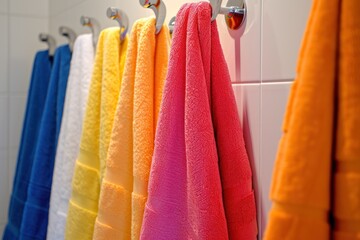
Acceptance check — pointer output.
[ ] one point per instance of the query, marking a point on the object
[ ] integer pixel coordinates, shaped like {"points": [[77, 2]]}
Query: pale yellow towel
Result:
{"points": [[124, 189], [100, 112]]}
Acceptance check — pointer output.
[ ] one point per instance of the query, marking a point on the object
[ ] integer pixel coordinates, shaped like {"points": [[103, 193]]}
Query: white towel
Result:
{"points": [[70, 134]]}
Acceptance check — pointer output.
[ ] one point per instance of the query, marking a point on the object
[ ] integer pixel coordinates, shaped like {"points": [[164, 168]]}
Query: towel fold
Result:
{"points": [[200, 182], [70, 134], [34, 109], [35, 218], [322, 123], [97, 126], [124, 189]]}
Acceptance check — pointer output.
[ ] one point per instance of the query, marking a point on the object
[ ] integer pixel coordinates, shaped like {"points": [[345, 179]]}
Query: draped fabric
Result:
{"points": [[35, 218], [200, 183], [34, 110]]}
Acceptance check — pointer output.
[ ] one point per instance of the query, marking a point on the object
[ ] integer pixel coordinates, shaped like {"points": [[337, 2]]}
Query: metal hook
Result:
{"points": [[70, 34], [172, 25], [50, 40], [94, 25], [159, 9], [234, 15], [122, 18]]}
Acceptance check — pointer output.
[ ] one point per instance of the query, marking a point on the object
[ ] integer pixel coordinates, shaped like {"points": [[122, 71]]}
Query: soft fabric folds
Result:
{"points": [[35, 218], [317, 174], [124, 189], [39, 83], [200, 183], [70, 134], [97, 126]]}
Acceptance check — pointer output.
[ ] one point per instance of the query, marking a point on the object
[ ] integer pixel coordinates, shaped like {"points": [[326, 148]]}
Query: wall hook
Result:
{"points": [[122, 18], [50, 40], [94, 25], [159, 9], [69, 34], [172, 25], [235, 12]]}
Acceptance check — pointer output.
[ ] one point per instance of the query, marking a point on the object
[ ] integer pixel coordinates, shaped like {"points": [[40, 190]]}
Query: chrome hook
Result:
{"points": [[234, 15], [50, 40], [69, 34], [159, 9], [94, 25], [121, 17], [172, 25]]}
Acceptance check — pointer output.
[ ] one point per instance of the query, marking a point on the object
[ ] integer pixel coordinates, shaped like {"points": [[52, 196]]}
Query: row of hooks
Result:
{"points": [[234, 12]]}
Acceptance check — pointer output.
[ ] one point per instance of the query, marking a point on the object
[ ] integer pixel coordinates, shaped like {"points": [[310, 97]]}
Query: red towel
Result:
{"points": [[200, 182]]}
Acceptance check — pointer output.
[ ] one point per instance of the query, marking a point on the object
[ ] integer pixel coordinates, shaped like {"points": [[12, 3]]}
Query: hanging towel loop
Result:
{"points": [[235, 13], [94, 25], [50, 40], [159, 9], [122, 18], [69, 34]]}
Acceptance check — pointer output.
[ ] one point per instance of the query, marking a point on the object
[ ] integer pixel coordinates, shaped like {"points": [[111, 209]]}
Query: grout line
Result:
{"points": [[27, 16], [264, 82], [8, 102], [261, 230]]}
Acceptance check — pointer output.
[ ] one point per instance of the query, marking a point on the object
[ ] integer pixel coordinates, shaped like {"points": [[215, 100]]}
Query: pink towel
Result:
{"points": [[200, 182]]}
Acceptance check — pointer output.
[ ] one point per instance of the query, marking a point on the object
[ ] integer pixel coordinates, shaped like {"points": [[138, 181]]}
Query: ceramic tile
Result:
{"points": [[16, 116], [24, 44], [4, 121], [282, 35], [248, 102], [4, 54], [4, 179], [274, 100], [13, 153], [34, 8], [4, 6]]}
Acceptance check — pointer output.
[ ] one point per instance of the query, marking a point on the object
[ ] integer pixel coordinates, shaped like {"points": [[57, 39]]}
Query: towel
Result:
{"points": [[35, 105], [315, 186], [97, 125], [124, 189], [70, 133], [200, 181], [35, 217]]}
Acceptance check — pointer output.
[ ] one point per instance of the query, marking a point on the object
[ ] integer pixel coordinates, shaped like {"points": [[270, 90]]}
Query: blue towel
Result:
{"points": [[35, 105], [35, 217]]}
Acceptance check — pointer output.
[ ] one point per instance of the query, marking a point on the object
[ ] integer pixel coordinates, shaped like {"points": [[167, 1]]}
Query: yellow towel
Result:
{"points": [[98, 122], [124, 189], [322, 123]]}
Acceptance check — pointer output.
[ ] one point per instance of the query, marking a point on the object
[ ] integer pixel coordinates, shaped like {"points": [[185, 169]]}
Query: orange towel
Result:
{"points": [[124, 189], [322, 123]]}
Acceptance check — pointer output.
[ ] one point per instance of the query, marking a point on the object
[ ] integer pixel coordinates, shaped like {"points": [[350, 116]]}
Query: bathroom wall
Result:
{"points": [[262, 65], [20, 23]]}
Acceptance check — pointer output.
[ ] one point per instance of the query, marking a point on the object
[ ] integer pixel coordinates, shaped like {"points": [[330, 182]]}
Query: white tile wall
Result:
{"points": [[4, 182], [273, 105], [16, 118], [24, 40], [33, 8], [3, 53], [4, 122], [283, 27], [3, 6]]}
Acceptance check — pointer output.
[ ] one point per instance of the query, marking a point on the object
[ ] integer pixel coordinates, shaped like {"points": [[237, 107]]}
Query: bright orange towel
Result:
{"points": [[124, 189], [317, 172]]}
